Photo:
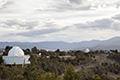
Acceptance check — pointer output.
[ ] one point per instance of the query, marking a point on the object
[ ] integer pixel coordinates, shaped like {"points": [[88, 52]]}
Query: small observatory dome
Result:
{"points": [[87, 50], [16, 51]]}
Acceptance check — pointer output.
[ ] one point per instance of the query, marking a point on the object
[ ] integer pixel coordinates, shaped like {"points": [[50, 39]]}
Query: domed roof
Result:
{"points": [[87, 50], [16, 51]]}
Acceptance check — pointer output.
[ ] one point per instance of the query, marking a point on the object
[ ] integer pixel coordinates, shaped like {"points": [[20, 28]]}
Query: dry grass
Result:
{"points": [[100, 58], [72, 57], [113, 75], [103, 58]]}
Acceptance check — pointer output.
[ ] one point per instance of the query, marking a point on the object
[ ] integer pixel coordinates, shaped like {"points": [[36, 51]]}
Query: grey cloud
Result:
{"points": [[40, 32], [32, 24], [61, 6], [49, 24], [7, 4], [58, 7], [104, 23], [117, 5], [21, 24], [77, 1], [114, 4], [117, 17], [100, 24], [15, 22], [116, 26], [70, 7], [28, 25], [37, 32]]}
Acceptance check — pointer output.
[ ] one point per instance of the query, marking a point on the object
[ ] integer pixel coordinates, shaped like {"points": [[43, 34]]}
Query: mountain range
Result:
{"points": [[113, 43]]}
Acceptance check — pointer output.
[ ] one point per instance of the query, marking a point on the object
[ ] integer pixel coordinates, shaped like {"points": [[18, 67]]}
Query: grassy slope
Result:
{"points": [[100, 59]]}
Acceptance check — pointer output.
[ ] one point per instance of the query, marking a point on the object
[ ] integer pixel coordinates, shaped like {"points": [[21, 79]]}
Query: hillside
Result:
{"points": [[74, 62]]}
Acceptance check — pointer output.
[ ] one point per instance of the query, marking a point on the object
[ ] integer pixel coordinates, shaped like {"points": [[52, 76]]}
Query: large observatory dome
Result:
{"points": [[16, 51]]}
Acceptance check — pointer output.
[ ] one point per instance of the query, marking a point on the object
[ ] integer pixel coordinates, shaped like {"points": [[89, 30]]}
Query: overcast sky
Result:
{"points": [[59, 20]]}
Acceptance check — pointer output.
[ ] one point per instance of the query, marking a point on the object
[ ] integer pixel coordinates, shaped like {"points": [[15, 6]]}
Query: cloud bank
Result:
{"points": [[7, 4], [66, 20], [77, 2]]}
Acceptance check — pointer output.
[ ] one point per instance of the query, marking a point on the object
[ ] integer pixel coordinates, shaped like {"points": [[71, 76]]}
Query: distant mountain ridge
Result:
{"points": [[113, 43]]}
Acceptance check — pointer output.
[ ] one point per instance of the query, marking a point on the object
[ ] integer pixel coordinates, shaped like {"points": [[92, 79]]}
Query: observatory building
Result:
{"points": [[16, 56], [87, 50]]}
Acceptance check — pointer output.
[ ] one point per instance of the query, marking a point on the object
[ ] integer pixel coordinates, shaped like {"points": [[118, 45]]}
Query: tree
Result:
{"points": [[96, 77], [116, 51], [35, 50], [63, 53], [118, 78], [70, 73], [27, 51], [42, 77], [1, 60], [7, 50], [44, 52], [49, 76], [4, 72], [57, 51], [33, 59], [105, 77], [71, 53], [18, 77]]}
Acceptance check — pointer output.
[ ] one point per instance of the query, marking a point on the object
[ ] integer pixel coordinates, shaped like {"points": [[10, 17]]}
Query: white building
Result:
{"points": [[16, 56], [87, 50], [39, 54]]}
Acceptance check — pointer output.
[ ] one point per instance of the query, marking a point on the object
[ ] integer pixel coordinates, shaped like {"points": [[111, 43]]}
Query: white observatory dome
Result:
{"points": [[87, 50], [16, 51]]}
